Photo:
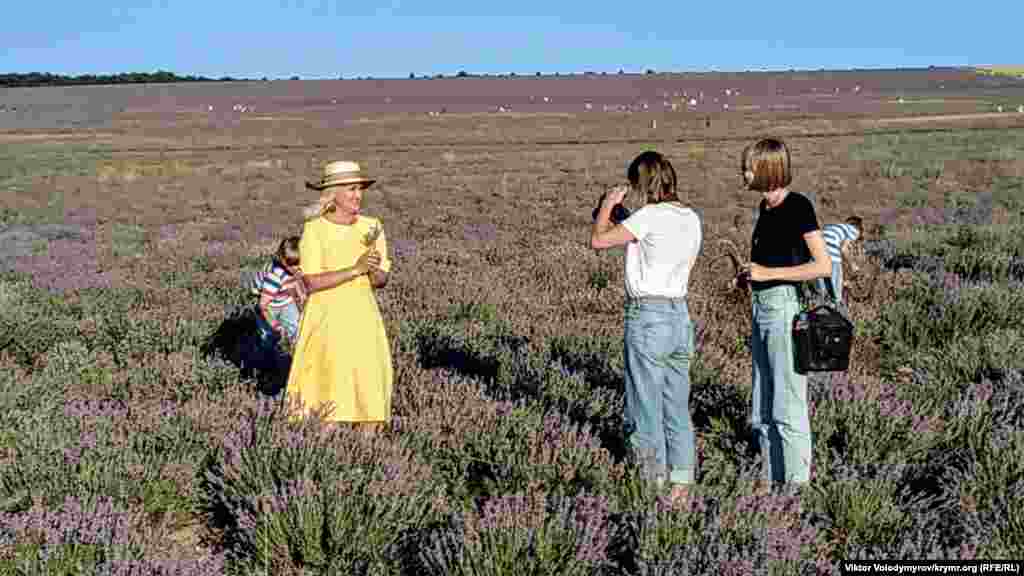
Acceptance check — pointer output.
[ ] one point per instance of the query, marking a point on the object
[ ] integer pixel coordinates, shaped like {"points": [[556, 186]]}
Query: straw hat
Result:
{"points": [[340, 172]]}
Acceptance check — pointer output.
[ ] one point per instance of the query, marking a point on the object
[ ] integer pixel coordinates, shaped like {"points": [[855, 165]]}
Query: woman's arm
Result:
{"points": [[327, 280], [604, 234], [820, 265], [334, 278]]}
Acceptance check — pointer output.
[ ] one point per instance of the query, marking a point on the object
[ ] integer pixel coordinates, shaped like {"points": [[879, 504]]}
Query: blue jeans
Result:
{"points": [[659, 341], [833, 287], [289, 318], [779, 415]]}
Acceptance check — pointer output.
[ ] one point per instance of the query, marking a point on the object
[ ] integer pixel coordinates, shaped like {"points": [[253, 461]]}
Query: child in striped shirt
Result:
{"points": [[839, 240], [281, 292]]}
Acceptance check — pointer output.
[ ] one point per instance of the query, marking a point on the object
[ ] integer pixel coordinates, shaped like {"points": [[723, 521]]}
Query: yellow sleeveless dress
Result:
{"points": [[342, 356]]}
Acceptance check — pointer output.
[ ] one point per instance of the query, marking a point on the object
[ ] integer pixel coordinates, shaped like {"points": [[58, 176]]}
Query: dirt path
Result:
{"points": [[942, 118]]}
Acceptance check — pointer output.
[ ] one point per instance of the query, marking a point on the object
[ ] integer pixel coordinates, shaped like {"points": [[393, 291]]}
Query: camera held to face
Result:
{"points": [[619, 212]]}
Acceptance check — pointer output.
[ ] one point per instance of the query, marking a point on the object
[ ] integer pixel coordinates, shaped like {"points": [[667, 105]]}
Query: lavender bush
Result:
{"points": [[524, 533], [294, 496], [91, 535], [734, 530]]}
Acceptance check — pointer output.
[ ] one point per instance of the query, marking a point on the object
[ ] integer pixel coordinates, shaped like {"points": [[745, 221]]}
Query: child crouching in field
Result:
{"points": [[282, 294], [840, 241]]}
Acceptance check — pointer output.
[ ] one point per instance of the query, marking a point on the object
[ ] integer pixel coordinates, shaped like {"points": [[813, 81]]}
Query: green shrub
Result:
{"points": [[293, 496]]}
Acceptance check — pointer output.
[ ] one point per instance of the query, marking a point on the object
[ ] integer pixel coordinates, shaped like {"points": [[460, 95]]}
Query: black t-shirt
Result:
{"points": [[778, 239]]}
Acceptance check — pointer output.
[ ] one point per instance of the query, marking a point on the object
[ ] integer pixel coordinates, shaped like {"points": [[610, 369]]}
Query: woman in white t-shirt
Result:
{"points": [[662, 240]]}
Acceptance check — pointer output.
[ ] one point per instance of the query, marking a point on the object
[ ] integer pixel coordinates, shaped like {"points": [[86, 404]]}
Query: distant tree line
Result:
{"points": [[46, 79]]}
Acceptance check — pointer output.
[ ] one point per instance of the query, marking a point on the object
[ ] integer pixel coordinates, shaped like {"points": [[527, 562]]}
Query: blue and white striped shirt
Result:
{"points": [[835, 235]]}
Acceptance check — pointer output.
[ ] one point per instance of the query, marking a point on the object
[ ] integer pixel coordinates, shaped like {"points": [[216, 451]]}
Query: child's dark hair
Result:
{"points": [[857, 222], [288, 251]]}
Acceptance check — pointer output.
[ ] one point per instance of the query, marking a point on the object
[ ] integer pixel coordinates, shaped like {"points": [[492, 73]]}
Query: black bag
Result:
{"points": [[822, 339]]}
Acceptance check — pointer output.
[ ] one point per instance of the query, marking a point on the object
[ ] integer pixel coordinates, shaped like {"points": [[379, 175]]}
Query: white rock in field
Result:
{"points": [[654, 124], [1020, 109], [546, 99], [210, 108], [725, 106], [728, 92], [856, 88], [693, 101], [588, 106], [900, 100], [675, 107]]}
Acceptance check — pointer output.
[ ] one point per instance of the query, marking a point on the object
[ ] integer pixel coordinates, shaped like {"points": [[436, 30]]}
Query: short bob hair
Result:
{"points": [[288, 251], [652, 176], [858, 223], [768, 160]]}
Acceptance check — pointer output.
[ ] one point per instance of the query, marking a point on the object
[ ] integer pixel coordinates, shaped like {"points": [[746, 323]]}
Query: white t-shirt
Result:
{"points": [[668, 238]]}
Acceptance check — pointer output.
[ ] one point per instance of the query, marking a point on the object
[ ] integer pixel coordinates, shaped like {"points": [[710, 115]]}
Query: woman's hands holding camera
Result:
{"points": [[613, 200], [615, 196]]}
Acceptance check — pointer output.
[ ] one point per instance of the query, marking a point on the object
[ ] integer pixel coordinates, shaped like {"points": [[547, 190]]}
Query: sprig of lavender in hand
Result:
{"points": [[371, 237]]}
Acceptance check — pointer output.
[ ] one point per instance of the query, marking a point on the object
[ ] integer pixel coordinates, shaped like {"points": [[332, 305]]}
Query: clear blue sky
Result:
{"points": [[391, 38]]}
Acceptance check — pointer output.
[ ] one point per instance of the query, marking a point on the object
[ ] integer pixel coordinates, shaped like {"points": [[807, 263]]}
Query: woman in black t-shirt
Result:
{"points": [[787, 249]]}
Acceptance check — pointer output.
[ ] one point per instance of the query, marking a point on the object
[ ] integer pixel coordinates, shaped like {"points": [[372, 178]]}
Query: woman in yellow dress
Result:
{"points": [[342, 357]]}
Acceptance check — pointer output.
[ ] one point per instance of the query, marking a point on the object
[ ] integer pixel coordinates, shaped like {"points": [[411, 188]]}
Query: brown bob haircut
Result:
{"points": [[288, 251], [652, 176], [858, 223], [768, 160]]}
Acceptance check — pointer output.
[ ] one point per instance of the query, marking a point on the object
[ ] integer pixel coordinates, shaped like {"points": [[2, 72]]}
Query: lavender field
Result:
{"points": [[131, 443]]}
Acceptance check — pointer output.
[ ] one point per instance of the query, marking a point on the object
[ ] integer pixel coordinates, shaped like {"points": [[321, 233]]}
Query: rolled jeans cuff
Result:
{"points": [[681, 476]]}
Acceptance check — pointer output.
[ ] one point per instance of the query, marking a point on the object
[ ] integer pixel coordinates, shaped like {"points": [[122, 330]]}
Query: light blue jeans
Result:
{"points": [[833, 287], [779, 415], [289, 317], [659, 342]]}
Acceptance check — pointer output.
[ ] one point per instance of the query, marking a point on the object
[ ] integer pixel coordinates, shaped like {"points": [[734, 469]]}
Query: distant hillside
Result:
{"points": [[158, 77], [1002, 70]]}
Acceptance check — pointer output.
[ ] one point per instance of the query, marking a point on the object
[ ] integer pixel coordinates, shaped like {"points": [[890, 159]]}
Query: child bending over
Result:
{"points": [[282, 293]]}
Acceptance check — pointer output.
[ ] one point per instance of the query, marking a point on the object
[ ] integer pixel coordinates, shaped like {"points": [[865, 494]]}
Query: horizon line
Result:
{"points": [[468, 74]]}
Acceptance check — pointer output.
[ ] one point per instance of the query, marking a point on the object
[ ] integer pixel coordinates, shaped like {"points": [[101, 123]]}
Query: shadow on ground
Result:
{"points": [[237, 341]]}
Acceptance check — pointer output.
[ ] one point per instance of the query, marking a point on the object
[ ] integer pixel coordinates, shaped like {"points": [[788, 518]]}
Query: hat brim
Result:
{"points": [[366, 182]]}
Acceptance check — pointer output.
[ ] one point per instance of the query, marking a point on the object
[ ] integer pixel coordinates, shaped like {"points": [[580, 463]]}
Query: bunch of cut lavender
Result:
{"points": [[370, 238]]}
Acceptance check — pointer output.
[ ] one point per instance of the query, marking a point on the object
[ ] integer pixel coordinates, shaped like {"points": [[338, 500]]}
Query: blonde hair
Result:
{"points": [[769, 161], [651, 174], [321, 207]]}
